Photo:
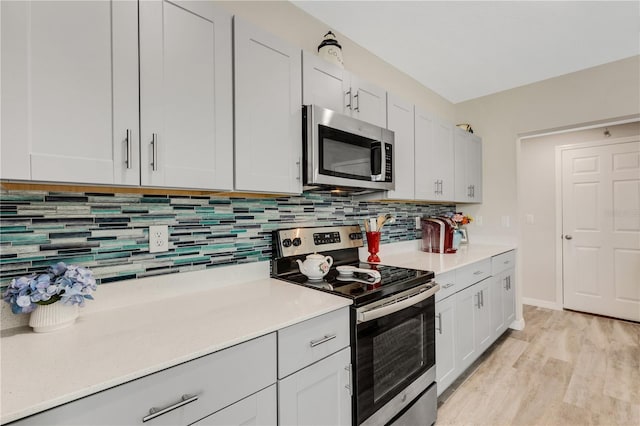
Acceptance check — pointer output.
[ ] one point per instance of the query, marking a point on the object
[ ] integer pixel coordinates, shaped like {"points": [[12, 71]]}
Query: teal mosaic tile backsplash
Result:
{"points": [[109, 232]]}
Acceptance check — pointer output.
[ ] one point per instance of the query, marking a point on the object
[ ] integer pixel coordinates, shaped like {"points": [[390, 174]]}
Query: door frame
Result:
{"points": [[557, 304], [559, 241]]}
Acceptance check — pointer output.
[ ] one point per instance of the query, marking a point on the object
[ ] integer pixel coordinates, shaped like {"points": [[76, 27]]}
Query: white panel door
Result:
{"points": [[442, 160], [318, 394], [369, 102], [268, 112], [325, 84], [186, 95], [601, 229], [400, 121], [446, 365], [70, 91]]}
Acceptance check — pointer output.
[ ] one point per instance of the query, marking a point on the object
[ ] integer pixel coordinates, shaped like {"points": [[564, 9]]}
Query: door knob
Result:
{"points": [[568, 237]]}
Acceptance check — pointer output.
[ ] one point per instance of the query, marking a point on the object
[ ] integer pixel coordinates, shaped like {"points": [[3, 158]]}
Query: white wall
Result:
{"points": [[599, 93], [537, 189], [290, 23]]}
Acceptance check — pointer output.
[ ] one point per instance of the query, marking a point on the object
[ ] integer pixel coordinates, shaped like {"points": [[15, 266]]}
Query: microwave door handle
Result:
{"points": [[398, 306], [377, 161]]}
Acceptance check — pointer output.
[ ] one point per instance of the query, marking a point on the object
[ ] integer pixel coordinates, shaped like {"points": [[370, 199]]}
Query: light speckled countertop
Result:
{"points": [[136, 328], [409, 255]]}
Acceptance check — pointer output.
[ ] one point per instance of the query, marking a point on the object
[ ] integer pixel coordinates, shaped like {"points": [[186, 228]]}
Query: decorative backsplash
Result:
{"points": [[109, 232]]}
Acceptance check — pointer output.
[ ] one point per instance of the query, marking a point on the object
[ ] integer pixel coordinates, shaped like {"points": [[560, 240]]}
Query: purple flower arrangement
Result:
{"points": [[69, 284]]}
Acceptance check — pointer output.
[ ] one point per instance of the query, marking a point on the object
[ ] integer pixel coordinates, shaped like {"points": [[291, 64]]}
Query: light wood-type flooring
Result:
{"points": [[564, 368]]}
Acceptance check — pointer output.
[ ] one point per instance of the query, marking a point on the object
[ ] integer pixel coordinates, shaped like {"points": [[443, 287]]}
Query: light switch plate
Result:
{"points": [[158, 238], [418, 224]]}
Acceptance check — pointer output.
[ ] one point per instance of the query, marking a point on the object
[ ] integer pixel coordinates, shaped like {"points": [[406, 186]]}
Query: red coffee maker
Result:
{"points": [[437, 235]]}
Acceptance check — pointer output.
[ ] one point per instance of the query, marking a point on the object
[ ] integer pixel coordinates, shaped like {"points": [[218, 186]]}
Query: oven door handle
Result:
{"points": [[398, 306]]}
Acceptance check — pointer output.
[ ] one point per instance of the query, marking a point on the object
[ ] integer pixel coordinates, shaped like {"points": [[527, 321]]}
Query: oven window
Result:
{"points": [[345, 155], [397, 354]]}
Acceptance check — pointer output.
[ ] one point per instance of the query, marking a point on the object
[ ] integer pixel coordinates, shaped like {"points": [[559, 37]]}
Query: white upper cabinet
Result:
{"points": [[70, 92], [400, 121], [186, 95], [268, 112], [329, 86], [468, 167], [433, 158]]}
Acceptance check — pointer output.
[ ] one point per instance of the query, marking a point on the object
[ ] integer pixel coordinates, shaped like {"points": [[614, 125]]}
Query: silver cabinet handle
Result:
{"points": [[350, 99], [155, 412], [506, 262], [154, 151], [482, 298], [441, 185], [322, 340], [129, 159], [298, 163], [478, 296], [356, 97], [568, 237], [473, 191], [506, 283], [477, 272], [439, 328], [448, 285], [350, 385], [435, 183]]}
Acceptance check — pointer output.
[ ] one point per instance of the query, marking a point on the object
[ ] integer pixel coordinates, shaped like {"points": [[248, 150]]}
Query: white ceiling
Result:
{"points": [[464, 50]]}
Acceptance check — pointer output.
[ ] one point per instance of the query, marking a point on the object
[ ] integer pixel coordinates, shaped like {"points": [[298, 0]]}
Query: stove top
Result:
{"points": [[362, 287], [341, 243]]}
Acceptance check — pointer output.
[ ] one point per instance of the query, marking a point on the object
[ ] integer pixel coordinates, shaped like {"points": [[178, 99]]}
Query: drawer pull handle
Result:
{"points": [[477, 272], [448, 285], [155, 412], [322, 340], [506, 262]]}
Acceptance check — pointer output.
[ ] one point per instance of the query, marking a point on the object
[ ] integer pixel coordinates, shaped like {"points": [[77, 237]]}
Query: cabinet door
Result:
{"points": [[268, 112], [325, 84], [482, 320], [185, 95], [369, 102], [474, 167], [446, 370], [259, 409], [509, 297], [462, 191], [498, 288], [70, 91], [319, 394], [467, 303], [442, 159], [426, 184], [400, 121]]}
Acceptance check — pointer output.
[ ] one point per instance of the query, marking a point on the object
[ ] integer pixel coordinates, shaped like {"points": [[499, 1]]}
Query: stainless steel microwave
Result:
{"points": [[343, 152]]}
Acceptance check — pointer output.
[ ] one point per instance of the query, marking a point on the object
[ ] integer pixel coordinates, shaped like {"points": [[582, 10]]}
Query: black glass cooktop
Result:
{"points": [[362, 287]]}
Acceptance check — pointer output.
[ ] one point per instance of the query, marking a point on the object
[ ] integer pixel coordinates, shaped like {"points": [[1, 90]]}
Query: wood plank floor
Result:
{"points": [[564, 368]]}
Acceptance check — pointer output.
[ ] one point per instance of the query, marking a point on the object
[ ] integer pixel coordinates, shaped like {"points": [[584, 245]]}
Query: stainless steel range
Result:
{"points": [[392, 321]]}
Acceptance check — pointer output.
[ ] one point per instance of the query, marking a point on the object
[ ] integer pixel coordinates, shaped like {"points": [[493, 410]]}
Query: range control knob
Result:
{"points": [[297, 242], [286, 242]]}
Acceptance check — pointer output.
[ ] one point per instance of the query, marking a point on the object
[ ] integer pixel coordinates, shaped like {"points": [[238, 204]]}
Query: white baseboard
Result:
{"points": [[542, 303], [517, 324]]}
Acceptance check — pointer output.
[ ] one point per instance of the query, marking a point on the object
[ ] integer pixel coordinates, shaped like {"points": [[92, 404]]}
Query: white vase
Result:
{"points": [[53, 317]]}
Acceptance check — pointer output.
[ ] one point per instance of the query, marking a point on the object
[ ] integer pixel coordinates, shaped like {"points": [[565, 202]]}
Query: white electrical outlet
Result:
{"points": [[506, 221], [158, 238], [418, 224]]}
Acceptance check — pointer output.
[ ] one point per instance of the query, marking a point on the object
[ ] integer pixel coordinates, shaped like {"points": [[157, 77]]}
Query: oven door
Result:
{"points": [[392, 351]]}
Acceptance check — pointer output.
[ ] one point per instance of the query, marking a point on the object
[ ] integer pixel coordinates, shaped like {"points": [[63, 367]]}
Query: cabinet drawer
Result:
{"points": [[218, 380], [448, 285], [307, 342], [258, 409], [472, 274], [502, 262]]}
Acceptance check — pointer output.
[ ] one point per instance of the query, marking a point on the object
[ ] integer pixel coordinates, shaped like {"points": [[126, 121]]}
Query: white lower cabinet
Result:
{"points": [[179, 395], [259, 409], [446, 364], [314, 371], [319, 394], [475, 306]]}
